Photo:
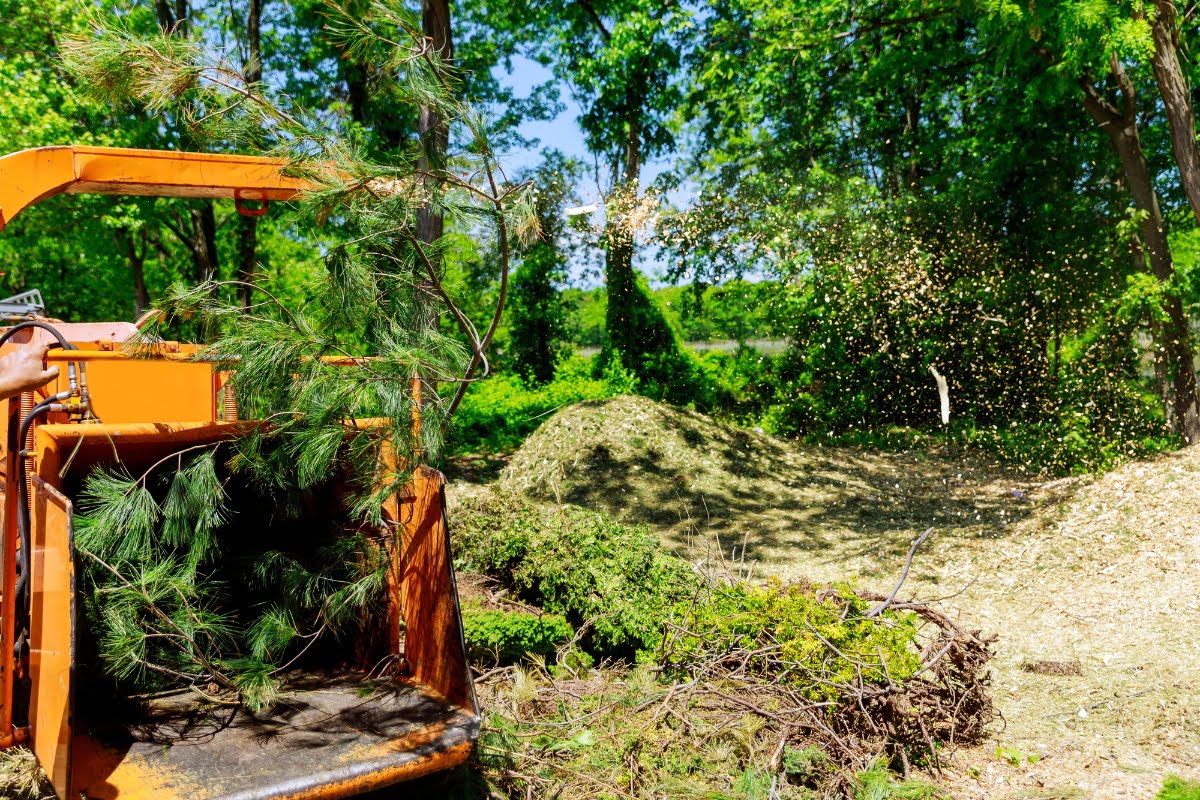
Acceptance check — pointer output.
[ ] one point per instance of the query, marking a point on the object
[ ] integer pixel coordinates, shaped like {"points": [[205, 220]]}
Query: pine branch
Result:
{"points": [[196, 650]]}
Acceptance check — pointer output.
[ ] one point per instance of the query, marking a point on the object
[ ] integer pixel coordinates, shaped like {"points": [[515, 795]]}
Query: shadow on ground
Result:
{"points": [[704, 485]]}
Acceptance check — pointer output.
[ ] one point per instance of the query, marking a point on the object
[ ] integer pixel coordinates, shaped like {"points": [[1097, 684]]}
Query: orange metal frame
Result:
{"points": [[31, 176], [182, 408]]}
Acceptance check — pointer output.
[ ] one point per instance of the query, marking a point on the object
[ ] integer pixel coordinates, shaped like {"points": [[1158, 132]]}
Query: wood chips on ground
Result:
{"points": [[1102, 573]]}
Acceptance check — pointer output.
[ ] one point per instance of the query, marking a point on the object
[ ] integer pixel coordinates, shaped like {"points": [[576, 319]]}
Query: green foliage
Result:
{"points": [[364, 338], [746, 386], [508, 637], [736, 310], [537, 312], [613, 578], [810, 632], [639, 338], [501, 411], [1176, 788], [878, 783], [805, 764], [176, 593], [1017, 757], [589, 306]]}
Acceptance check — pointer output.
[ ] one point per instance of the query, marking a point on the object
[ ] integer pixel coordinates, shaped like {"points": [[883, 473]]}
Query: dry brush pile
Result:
{"points": [[766, 690]]}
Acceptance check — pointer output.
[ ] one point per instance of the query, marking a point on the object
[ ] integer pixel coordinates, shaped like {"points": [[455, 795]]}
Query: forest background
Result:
{"points": [[1005, 194]]}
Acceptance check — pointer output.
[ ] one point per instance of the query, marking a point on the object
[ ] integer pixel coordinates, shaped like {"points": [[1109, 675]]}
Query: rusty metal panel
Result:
{"points": [[331, 736], [52, 632], [433, 636]]}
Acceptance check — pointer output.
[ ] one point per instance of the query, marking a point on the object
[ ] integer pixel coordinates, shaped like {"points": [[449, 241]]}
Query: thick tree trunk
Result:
{"points": [[204, 242], [434, 132], [1177, 100], [248, 226], [1174, 337]]}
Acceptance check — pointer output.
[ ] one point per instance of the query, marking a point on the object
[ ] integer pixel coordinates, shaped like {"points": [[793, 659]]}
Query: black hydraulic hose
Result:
{"points": [[20, 326], [21, 599], [22, 588]]}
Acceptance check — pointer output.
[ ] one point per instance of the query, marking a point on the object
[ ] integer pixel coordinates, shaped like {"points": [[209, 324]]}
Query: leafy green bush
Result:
{"points": [[579, 564], [743, 385], [498, 413], [793, 633], [1176, 788], [1070, 446], [506, 637]]}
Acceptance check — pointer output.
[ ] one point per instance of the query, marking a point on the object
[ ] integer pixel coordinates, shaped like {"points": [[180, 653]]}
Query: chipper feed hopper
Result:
{"points": [[335, 733]]}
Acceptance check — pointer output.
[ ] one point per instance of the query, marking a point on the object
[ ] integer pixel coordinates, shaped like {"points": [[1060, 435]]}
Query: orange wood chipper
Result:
{"points": [[333, 735]]}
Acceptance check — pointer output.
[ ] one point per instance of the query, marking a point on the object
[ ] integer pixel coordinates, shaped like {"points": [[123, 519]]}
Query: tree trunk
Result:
{"points": [[1174, 337], [204, 242], [137, 267], [620, 327], [248, 226], [172, 16], [912, 130], [1177, 101], [433, 130]]}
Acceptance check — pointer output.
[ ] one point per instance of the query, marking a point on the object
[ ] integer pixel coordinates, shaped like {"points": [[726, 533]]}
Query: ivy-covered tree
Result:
{"points": [[538, 314], [622, 60]]}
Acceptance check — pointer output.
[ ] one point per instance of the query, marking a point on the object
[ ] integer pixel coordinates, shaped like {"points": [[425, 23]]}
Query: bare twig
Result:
{"points": [[912, 550]]}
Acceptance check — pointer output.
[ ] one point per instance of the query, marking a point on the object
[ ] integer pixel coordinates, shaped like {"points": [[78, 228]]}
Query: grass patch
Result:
{"points": [[1176, 788]]}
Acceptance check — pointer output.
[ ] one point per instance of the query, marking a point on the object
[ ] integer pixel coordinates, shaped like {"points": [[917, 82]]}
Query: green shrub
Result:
{"points": [[1067, 447], [579, 564], [786, 633], [500, 412], [507, 637], [1176, 788], [744, 385], [1070, 446]]}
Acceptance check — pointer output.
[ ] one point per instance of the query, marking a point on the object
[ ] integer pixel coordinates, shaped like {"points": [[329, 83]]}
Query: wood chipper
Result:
{"points": [[330, 737]]}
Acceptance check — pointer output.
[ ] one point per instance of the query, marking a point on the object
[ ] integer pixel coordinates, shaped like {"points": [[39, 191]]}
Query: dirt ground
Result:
{"points": [[1099, 573]]}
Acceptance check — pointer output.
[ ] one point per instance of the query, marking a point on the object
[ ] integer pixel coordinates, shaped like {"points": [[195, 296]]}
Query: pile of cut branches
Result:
{"points": [[769, 691]]}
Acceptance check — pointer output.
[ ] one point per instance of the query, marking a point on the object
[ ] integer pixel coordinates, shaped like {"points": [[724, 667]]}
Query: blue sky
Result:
{"points": [[563, 133]]}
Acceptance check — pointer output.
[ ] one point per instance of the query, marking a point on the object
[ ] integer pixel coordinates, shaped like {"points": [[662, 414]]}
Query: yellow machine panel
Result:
{"points": [[184, 391]]}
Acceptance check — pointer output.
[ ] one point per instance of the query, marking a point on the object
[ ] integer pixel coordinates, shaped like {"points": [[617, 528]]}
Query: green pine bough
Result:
{"points": [[221, 568], [181, 588]]}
